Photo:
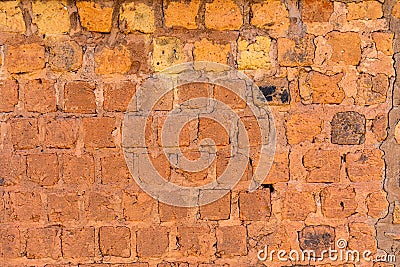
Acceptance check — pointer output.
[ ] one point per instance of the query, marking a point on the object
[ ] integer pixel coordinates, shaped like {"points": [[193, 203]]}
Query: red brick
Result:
{"points": [[139, 206], [24, 133], [97, 132], [323, 166], [26, 206], [255, 206], [43, 243], [79, 97], [40, 96], [78, 243], [117, 96], [152, 242], [338, 203], [231, 240], [63, 207], [173, 213], [115, 241], [61, 133], [114, 169], [10, 243], [78, 170], [12, 169], [195, 241], [8, 95], [218, 210], [43, 169], [25, 58], [102, 206]]}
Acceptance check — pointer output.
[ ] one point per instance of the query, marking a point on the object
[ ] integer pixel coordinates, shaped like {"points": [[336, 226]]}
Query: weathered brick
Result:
{"points": [[253, 56], [318, 88], [103, 206], [255, 206], [24, 133], [173, 213], [396, 10], [379, 126], [365, 165], [10, 243], [114, 169], [337, 202], [117, 96], [382, 64], [51, 17], [323, 166], [40, 96], [95, 16], [271, 15], [26, 206], [137, 17], [195, 240], [275, 91], [348, 128], [12, 169], [79, 97], [63, 207], [346, 48], [206, 50], [186, 93], [173, 264], [364, 10], [317, 238], [377, 204], [279, 171], [65, 55], [218, 210], [138, 206], [384, 42], [167, 51], [292, 53], [302, 127], [115, 241], [397, 132], [113, 60], [61, 133], [182, 14], [98, 132], [25, 58], [372, 89], [43, 169], [362, 237], [223, 15], [11, 17], [229, 97], [78, 170], [298, 205], [8, 95], [43, 243], [231, 240], [157, 247], [84, 237], [316, 11]]}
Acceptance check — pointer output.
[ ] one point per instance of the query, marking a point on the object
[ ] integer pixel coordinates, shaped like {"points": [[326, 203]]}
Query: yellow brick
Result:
{"points": [[256, 55], [364, 10], [206, 50], [182, 14], [138, 17], [167, 51], [109, 61], [51, 16], [11, 18], [223, 15], [94, 16], [271, 15]]}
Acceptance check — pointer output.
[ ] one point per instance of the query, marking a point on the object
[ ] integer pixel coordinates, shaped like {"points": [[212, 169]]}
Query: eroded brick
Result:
{"points": [[348, 128], [26, 206], [323, 166], [78, 170], [271, 15], [10, 243], [25, 58], [63, 207], [137, 17], [43, 243], [298, 205], [114, 169], [292, 53], [40, 96], [24, 133], [61, 133], [11, 17], [43, 169], [365, 165], [158, 247], [255, 55], [377, 204], [102, 206], [113, 60], [338, 203], [65, 56], [51, 17], [98, 132], [79, 97], [195, 240], [302, 127], [95, 16], [82, 236], [207, 50], [138, 206], [115, 241], [8, 95], [364, 10], [223, 15], [255, 206], [316, 11], [182, 14], [231, 240], [167, 51], [372, 89], [118, 96], [12, 169], [318, 88], [218, 210], [346, 48]]}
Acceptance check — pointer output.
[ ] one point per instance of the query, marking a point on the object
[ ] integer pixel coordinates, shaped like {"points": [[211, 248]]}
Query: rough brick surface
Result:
{"points": [[115, 241], [95, 16], [25, 58], [9, 95], [79, 97], [40, 96]]}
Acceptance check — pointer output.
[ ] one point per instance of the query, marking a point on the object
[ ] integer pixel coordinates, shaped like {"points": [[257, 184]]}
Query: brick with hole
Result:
{"points": [[79, 97], [159, 245], [115, 241], [8, 95], [24, 133], [98, 132], [40, 96], [61, 132], [43, 169], [231, 240], [26, 206], [84, 237], [43, 243], [78, 171], [338, 202], [255, 206]]}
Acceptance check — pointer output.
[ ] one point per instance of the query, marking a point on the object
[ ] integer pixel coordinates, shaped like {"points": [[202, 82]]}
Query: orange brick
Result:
{"points": [[114, 169], [43, 243], [206, 50], [338, 203], [43, 169], [78, 171], [63, 207], [115, 241], [10, 243], [8, 95], [195, 240], [190, 91], [102, 206], [95, 16], [24, 133], [316, 10], [293, 53], [40, 96], [117, 96], [26, 206], [173, 213], [272, 16], [12, 169], [61, 133], [298, 205], [323, 166], [79, 97], [98, 132], [346, 47], [231, 240], [223, 15], [139, 206], [181, 14], [279, 171], [255, 206], [302, 127], [111, 61], [228, 97], [209, 128], [365, 166], [25, 58], [72, 237], [152, 242], [218, 210], [377, 204]]}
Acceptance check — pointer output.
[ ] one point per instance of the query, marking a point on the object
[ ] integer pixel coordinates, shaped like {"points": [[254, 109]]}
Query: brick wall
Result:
{"points": [[69, 69]]}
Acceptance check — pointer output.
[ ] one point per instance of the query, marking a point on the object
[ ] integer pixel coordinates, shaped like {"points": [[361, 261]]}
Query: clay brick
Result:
{"points": [[11, 17], [348, 128], [134, 264], [322, 89], [293, 53], [302, 127], [78, 170], [114, 169], [98, 132], [137, 17], [377, 204], [173, 264], [346, 48], [40, 96], [24, 58], [102, 206], [206, 50], [43, 169], [12, 169], [65, 56], [317, 238], [84, 237], [338, 203], [115, 241], [195, 240], [231, 240], [181, 14], [298, 205], [365, 165], [229, 97], [362, 236], [159, 244], [223, 15], [253, 56], [173, 213], [323, 166], [138, 207], [396, 213], [118, 96], [27, 206], [275, 91], [61, 133], [8, 95], [51, 17], [383, 42], [62, 207], [79, 97], [279, 171], [218, 210], [187, 92], [167, 51], [372, 89], [94, 16], [364, 10], [397, 132], [396, 10], [212, 129], [272, 16], [316, 11], [379, 126], [111, 61], [10, 243], [43, 243], [255, 206], [24, 133]]}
